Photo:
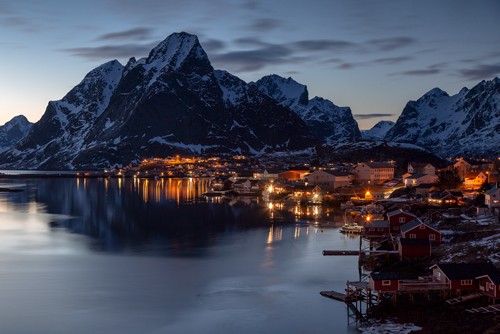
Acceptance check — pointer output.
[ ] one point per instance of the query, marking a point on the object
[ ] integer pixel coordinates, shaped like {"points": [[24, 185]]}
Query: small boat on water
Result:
{"points": [[351, 228]]}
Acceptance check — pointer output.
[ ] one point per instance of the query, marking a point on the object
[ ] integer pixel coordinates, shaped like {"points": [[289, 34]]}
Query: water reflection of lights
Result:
{"points": [[156, 190], [298, 231], [274, 235]]}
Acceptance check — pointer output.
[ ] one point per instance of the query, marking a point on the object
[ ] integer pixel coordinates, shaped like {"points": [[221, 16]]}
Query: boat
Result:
{"points": [[351, 228]]}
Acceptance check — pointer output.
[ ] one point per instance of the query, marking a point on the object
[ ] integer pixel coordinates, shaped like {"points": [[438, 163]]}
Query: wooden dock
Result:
{"points": [[485, 309], [340, 252], [335, 295], [457, 300]]}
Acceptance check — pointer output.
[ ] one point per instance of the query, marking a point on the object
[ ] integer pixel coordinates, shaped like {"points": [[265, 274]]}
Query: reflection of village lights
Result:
{"points": [[270, 205], [270, 188], [368, 218]]}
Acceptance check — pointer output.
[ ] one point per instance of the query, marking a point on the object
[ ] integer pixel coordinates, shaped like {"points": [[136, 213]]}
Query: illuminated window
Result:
{"points": [[466, 282]]}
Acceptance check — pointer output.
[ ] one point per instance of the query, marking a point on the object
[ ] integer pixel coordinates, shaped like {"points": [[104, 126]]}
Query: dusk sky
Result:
{"points": [[373, 56]]}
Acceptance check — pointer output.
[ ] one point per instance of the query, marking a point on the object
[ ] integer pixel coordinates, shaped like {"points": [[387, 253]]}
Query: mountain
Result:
{"points": [[329, 123], [378, 131], [13, 131], [465, 124], [172, 101]]}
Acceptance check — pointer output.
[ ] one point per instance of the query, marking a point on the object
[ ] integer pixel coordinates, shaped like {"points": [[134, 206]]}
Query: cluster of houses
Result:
{"points": [[402, 232], [451, 279], [302, 181]]}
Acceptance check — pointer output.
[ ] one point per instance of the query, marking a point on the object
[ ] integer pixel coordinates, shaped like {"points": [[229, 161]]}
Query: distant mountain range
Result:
{"points": [[465, 124], [174, 101], [378, 131]]}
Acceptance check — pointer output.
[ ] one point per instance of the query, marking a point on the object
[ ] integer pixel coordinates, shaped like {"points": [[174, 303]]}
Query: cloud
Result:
{"points": [[15, 22], [249, 41], [251, 5], [377, 62], [111, 51], [213, 45], [323, 45], [392, 60], [253, 60], [428, 71], [392, 43], [139, 33], [480, 72], [370, 116], [264, 24]]}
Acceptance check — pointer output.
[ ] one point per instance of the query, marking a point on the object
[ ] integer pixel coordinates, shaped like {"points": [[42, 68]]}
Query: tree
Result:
{"points": [[449, 179]]}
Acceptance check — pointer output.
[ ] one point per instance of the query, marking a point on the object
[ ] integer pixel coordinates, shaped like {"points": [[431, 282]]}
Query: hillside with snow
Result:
{"points": [[12, 132], [465, 124], [332, 125], [378, 131]]}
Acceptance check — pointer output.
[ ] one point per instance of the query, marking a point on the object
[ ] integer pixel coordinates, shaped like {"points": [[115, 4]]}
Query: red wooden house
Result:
{"points": [[398, 218], [464, 276], [411, 248], [418, 230], [384, 282], [489, 284], [376, 228]]}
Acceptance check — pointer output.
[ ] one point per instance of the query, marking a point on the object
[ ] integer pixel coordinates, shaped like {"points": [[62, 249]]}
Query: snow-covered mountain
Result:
{"points": [[378, 131], [172, 101], [13, 132], [331, 124], [465, 124]]}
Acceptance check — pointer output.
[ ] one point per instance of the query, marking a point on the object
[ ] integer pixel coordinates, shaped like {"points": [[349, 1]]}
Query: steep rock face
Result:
{"points": [[13, 132], [465, 124], [60, 134], [378, 131], [327, 122], [169, 102]]}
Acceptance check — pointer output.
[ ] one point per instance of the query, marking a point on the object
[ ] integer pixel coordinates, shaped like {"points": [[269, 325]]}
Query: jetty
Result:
{"points": [[485, 309]]}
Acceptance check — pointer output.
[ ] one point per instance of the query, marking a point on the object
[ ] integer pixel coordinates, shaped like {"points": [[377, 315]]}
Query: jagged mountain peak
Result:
{"points": [[287, 91], [14, 131], [378, 131], [466, 124], [175, 50]]}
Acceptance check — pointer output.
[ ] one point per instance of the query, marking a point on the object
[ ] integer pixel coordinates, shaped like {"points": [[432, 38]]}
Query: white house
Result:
{"points": [[492, 197], [415, 180]]}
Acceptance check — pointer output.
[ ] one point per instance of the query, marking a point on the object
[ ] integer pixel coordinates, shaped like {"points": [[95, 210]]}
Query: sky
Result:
{"points": [[373, 56]]}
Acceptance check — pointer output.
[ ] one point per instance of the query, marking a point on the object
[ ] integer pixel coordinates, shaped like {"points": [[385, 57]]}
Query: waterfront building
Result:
{"points": [[373, 173]]}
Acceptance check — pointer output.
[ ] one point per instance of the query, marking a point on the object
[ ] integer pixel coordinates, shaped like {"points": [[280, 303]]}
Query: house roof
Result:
{"points": [[473, 174], [456, 271], [398, 211], [411, 225], [379, 165], [414, 223], [492, 191]]}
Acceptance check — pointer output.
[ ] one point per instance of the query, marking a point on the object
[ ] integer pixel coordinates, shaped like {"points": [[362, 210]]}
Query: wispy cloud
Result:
{"points": [[264, 24], [213, 45], [111, 51], [139, 33], [253, 60], [481, 72], [323, 45], [428, 71], [392, 43], [377, 62], [370, 116]]}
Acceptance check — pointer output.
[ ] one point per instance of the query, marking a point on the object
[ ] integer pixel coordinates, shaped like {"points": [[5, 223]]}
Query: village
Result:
{"points": [[426, 233]]}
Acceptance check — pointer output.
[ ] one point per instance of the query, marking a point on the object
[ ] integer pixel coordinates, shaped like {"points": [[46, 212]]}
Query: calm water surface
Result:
{"points": [[145, 256]]}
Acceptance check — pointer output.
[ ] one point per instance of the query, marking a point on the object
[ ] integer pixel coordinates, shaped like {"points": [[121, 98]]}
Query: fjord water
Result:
{"points": [[146, 256]]}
